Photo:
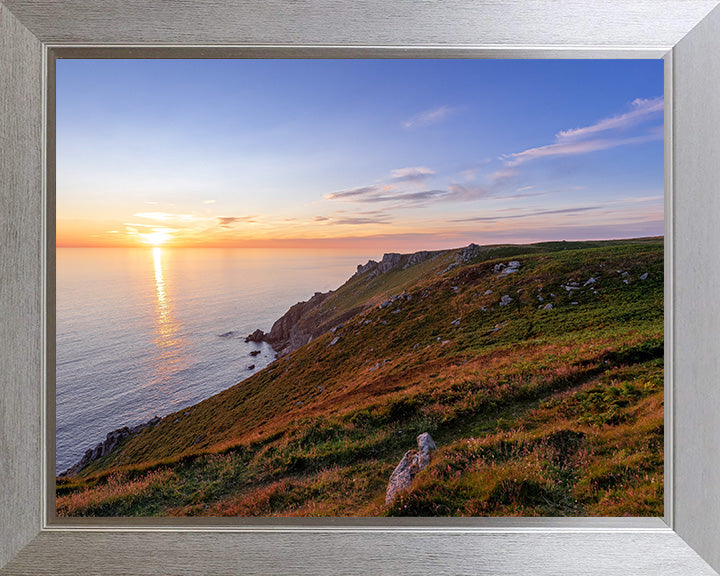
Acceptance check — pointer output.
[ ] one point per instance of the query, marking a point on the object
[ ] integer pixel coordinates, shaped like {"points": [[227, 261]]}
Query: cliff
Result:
{"points": [[307, 320]]}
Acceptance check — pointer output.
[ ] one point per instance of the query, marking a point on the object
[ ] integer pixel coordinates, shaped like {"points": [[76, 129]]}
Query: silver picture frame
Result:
{"points": [[686, 33]]}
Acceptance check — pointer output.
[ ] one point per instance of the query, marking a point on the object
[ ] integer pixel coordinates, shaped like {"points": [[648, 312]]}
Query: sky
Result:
{"points": [[393, 155]]}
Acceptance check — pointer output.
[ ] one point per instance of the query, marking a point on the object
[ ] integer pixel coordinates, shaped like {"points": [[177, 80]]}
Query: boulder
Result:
{"points": [[411, 464], [505, 300], [502, 269], [256, 336]]}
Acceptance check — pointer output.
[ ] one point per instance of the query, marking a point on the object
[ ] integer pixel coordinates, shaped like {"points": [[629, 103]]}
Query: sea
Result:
{"points": [[143, 332]]}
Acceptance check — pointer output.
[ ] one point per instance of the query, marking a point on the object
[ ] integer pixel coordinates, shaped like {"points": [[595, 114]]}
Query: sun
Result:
{"points": [[156, 238]]}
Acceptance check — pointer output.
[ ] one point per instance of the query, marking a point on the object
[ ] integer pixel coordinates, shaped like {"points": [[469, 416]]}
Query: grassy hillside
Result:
{"points": [[534, 411]]}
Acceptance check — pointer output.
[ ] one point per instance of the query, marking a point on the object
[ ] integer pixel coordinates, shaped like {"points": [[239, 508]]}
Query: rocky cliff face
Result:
{"points": [[391, 261], [293, 329], [112, 440], [302, 322]]}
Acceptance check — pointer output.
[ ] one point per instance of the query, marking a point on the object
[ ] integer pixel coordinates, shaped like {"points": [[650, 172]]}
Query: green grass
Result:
{"points": [[535, 412]]}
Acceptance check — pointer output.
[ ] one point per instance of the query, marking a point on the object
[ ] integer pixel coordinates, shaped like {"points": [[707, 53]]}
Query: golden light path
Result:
{"points": [[170, 346], [166, 326]]}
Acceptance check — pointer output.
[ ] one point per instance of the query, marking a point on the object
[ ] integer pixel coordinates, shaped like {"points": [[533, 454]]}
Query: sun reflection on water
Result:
{"points": [[169, 343], [166, 327]]}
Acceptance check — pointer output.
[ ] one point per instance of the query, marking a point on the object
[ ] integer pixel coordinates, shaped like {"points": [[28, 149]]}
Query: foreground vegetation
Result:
{"points": [[535, 410]]}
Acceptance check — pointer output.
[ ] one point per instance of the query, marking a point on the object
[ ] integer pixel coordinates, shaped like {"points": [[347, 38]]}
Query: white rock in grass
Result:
{"points": [[412, 462]]}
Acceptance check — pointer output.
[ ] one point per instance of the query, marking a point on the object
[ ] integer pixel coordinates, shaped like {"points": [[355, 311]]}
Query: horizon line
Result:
{"points": [[330, 244]]}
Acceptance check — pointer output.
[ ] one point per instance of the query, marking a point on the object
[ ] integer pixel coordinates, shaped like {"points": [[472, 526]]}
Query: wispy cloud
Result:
{"points": [[428, 117], [381, 195], [405, 198], [139, 225], [641, 110], [503, 175], [529, 214], [354, 193], [400, 186], [454, 192], [209, 201], [572, 148], [585, 139], [467, 192], [400, 189], [228, 221], [414, 174], [361, 220], [525, 194], [354, 217], [164, 216]]}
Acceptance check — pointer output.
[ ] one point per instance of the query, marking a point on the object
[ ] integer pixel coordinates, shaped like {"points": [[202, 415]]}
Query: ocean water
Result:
{"points": [[147, 331]]}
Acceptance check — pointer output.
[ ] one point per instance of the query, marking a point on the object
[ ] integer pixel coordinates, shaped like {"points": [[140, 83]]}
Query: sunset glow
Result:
{"points": [[309, 154], [156, 238]]}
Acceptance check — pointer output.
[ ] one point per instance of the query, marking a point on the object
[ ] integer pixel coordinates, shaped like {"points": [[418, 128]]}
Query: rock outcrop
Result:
{"points": [[293, 329], [388, 262], [417, 258], [112, 440], [305, 321], [362, 268], [467, 254], [464, 256], [412, 462], [391, 261], [257, 336], [503, 269]]}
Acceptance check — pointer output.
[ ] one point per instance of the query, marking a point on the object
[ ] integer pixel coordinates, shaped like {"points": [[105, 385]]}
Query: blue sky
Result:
{"points": [[394, 154]]}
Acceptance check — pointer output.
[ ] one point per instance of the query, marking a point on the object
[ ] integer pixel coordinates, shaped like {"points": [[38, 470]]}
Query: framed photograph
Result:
{"points": [[236, 340], [72, 504]]}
